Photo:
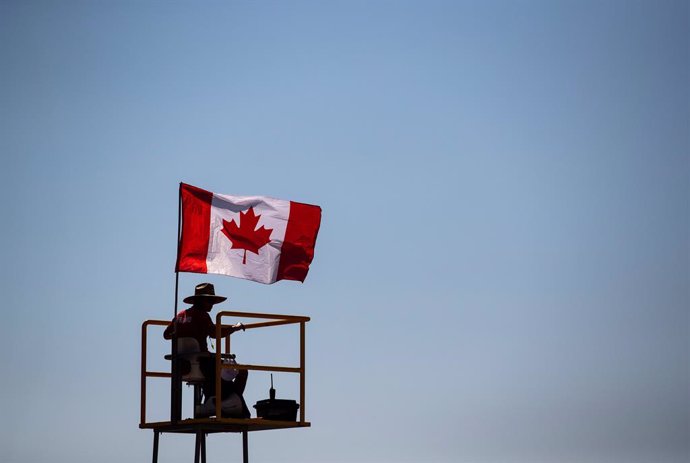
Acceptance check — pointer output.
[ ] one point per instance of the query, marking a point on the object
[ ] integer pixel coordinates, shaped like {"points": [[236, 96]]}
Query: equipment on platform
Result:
{"points": [[276, 409]]}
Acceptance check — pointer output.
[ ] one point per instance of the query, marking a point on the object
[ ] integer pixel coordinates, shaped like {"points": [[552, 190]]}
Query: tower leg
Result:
{"points": [[155, 446], [197, 446], [203, 448]]}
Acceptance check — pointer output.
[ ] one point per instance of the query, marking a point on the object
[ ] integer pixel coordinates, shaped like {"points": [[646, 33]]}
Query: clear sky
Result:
{"points": [[503, 268]]}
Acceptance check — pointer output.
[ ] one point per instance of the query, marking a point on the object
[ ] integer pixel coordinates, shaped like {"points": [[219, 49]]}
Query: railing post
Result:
{"points": [[142, 400], [302, 364], [219, 399]]}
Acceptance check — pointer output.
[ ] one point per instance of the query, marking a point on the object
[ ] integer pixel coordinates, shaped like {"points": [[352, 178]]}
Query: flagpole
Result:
{"points": [[177, 254], [175, 380]]}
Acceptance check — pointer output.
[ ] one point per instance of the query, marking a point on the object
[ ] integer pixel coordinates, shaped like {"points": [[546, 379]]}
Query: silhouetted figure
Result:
{"points": [[196, 323]]}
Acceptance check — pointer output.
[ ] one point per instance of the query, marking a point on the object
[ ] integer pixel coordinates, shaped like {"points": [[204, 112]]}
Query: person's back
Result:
{"points": [[194, 322]]}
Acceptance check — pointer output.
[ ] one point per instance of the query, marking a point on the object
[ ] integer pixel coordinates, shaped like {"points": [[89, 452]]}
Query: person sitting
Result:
{"points": [[195, 322]]}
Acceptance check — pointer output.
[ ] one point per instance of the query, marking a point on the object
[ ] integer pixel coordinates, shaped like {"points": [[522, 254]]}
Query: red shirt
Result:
{"points": [[194, 323]]}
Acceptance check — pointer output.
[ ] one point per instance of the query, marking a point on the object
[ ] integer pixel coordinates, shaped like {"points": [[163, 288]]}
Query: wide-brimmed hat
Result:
{"points": [[204, 292]]}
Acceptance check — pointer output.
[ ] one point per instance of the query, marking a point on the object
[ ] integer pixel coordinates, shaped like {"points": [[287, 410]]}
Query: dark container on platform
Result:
{"points": [[276, 409]]}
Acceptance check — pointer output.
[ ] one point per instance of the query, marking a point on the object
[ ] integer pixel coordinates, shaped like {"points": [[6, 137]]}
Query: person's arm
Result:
{"points": [[230, 329], [169, 330], [225, 331]]}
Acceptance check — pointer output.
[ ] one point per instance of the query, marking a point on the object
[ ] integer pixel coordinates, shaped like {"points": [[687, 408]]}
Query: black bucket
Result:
{"points": [[277, 409]]}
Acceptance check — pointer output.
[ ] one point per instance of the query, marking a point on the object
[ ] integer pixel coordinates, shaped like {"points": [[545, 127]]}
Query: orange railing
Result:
{"points": [[273, 320], [144, 371]]}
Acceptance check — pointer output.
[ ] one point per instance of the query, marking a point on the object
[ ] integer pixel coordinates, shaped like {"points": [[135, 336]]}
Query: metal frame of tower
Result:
{"points": [[200, 427]]}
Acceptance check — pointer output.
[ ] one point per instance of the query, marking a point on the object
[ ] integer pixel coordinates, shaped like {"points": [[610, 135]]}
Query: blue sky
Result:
{"points": [[502, 270]]}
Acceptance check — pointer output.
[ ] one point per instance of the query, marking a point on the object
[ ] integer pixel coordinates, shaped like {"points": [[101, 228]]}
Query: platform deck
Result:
{"points": [[213, 425]]}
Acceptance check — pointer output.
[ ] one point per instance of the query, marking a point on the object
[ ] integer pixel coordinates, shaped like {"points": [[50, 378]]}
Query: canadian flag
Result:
{"points": [[252, 237]]}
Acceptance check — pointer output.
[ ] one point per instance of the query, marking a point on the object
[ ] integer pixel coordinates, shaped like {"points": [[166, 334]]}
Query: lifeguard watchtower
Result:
{"points": [[219, 424], [279, 236]]}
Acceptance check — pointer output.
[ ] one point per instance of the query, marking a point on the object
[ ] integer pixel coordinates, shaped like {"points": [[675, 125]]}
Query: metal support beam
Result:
{"points": [[245, 447], [155, 446], [203, 448], [175, 385], [197, 446], [197, 398]]}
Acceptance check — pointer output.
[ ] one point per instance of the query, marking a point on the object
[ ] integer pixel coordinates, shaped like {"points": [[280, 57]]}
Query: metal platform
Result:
{"points": [[200, 427], [213, 425]]}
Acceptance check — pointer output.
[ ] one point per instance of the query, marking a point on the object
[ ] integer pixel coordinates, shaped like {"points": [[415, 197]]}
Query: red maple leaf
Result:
{"points": [[245, 236]]}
